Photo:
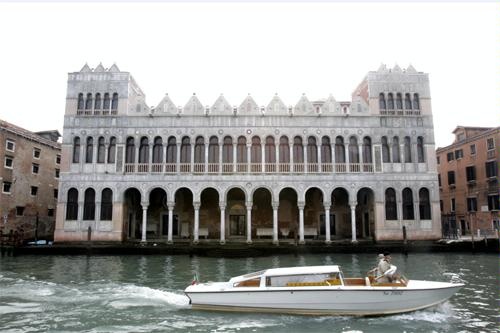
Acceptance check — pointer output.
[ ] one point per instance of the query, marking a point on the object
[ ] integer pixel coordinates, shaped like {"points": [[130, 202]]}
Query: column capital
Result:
{"points": [[249, 144], [222, 205], [145, 204], [301, 204], [196, 205], [353, 204], [275, 205], [327, 205], [170, 205], [249, 204]]}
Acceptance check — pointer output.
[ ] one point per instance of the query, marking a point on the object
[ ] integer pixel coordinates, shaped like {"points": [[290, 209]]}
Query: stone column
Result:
{"points": [[416, 210], [222, 206], [196, 206], [306, 162], [205, 167], [275, 222], [220, 156], [402, 152], [360, 151], [327, 222], [277, 155], [263, 157], [249, 157], [144, 220], [178, 158], [106, 153], [301, 206], [235, 153], [249, 222], [332, 152], [136, 153], [353, 221], [192, 157], [97, 216], [80, 210], [318, 147], [163, 156], [291, 156], [150, 155], [346, 148], [170, 206]]}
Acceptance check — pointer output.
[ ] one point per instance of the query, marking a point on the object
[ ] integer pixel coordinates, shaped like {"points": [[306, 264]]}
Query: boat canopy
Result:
{"points": [[302, 270]]}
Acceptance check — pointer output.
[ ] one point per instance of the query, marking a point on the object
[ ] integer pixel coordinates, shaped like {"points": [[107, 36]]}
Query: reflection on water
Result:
{"points": [[144, 294]]}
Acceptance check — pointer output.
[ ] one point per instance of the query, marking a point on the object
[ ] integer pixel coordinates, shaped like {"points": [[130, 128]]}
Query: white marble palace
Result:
{"points": [[318, 169]]}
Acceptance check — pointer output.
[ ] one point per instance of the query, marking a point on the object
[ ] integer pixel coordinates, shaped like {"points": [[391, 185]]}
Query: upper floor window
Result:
{"points": [[6, 187], [101, 150], [381, 101], [35, 168], [470, 172], [97, 105], [451, 177], [34, 190], [452, 204], [89, 150], [112, 150], [473, 149], [10, 145], [493, 202], [491, 169], [57, 173], [106, 100], [459, 153], [471, 204], [36, 153], [386, 156], [19, 210], [490, 144], [399, 101], [58, 159], [450, 156], [420, 150], [9, 162], [114, 102], [80, 102], [390, 101], [130, 150], [416, 102], [407, 101], [88, 102], [438, 160], [76, 150]]}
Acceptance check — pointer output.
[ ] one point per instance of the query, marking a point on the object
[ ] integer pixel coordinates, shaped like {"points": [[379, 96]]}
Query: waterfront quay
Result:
{"points": [[260, 247]]}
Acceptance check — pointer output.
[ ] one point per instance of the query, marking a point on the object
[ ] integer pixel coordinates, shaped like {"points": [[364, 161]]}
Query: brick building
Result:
{"points": [[29, 178], [468, 181]]}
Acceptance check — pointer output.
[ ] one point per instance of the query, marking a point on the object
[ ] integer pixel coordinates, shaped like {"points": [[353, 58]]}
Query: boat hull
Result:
{"points": [[323, 301]]}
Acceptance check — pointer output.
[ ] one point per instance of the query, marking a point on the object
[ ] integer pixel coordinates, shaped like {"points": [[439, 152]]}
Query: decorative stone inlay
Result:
{"points": [[192, 131], [360, 131], [170, 185], [249, 185], [220, 132], [304, 131], [318, 131], [150, 132], [276, 131], [179, 131], [413, 132], [83, 132], [106, 132], [164, 131], [332, 131], [346, 132], [249, 131]]}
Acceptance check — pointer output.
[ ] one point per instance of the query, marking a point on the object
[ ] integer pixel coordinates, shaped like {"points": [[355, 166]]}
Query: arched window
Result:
{"points": [[396, 157], [158, 150], [114, 102], [326, 150], [284, 150], [399, 101], [353, 150], [199, 150], [416, 102], [172, 150], [381, 101], [390, 101], [408, 204], [72, 205], [424, 204], [407, 101], [89, 150], [420, 150], [130, 151], [227, 150], [89, 204], [386, 156], [270, 150], [101, 150], [391, 212], [186, 150], [407, 151], [112, 150], [76, 150], [105, 105], [339, 150], [97, 105], [106, 205], [367, 150], [88, 102], [144, 150], [213, 150], [81, 103], [298, 150], [241, 152], [256, 153], [312, 150]]}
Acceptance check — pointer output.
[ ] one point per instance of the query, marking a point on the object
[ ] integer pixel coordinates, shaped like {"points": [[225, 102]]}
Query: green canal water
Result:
{"points": [[145, 294]]}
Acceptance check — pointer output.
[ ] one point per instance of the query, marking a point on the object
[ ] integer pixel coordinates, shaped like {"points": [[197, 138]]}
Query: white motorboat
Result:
{"points": [[318, 290]]}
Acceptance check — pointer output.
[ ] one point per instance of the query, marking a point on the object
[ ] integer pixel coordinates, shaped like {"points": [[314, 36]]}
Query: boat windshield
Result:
{"points": [[251, 275], [303, 280]]}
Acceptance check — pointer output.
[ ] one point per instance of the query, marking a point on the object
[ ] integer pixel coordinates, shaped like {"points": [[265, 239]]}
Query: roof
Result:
{"points": [[4, 125], [471, 128], [302, 270]]}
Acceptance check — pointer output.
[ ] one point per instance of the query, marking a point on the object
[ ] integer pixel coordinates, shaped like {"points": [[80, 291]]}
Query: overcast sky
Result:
{"points": [[260, 48]]}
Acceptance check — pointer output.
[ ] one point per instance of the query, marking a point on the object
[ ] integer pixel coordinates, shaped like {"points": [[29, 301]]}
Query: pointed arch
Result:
{"points": [[72, 205]]}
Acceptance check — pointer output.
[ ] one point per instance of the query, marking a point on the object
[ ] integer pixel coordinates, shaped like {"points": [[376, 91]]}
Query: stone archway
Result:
{"points": [[209, 213], [132, 214], [365, 213], [288, 214], [314, 213], [157, 221], [184, 212], [236, 213], [341, 214]]}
